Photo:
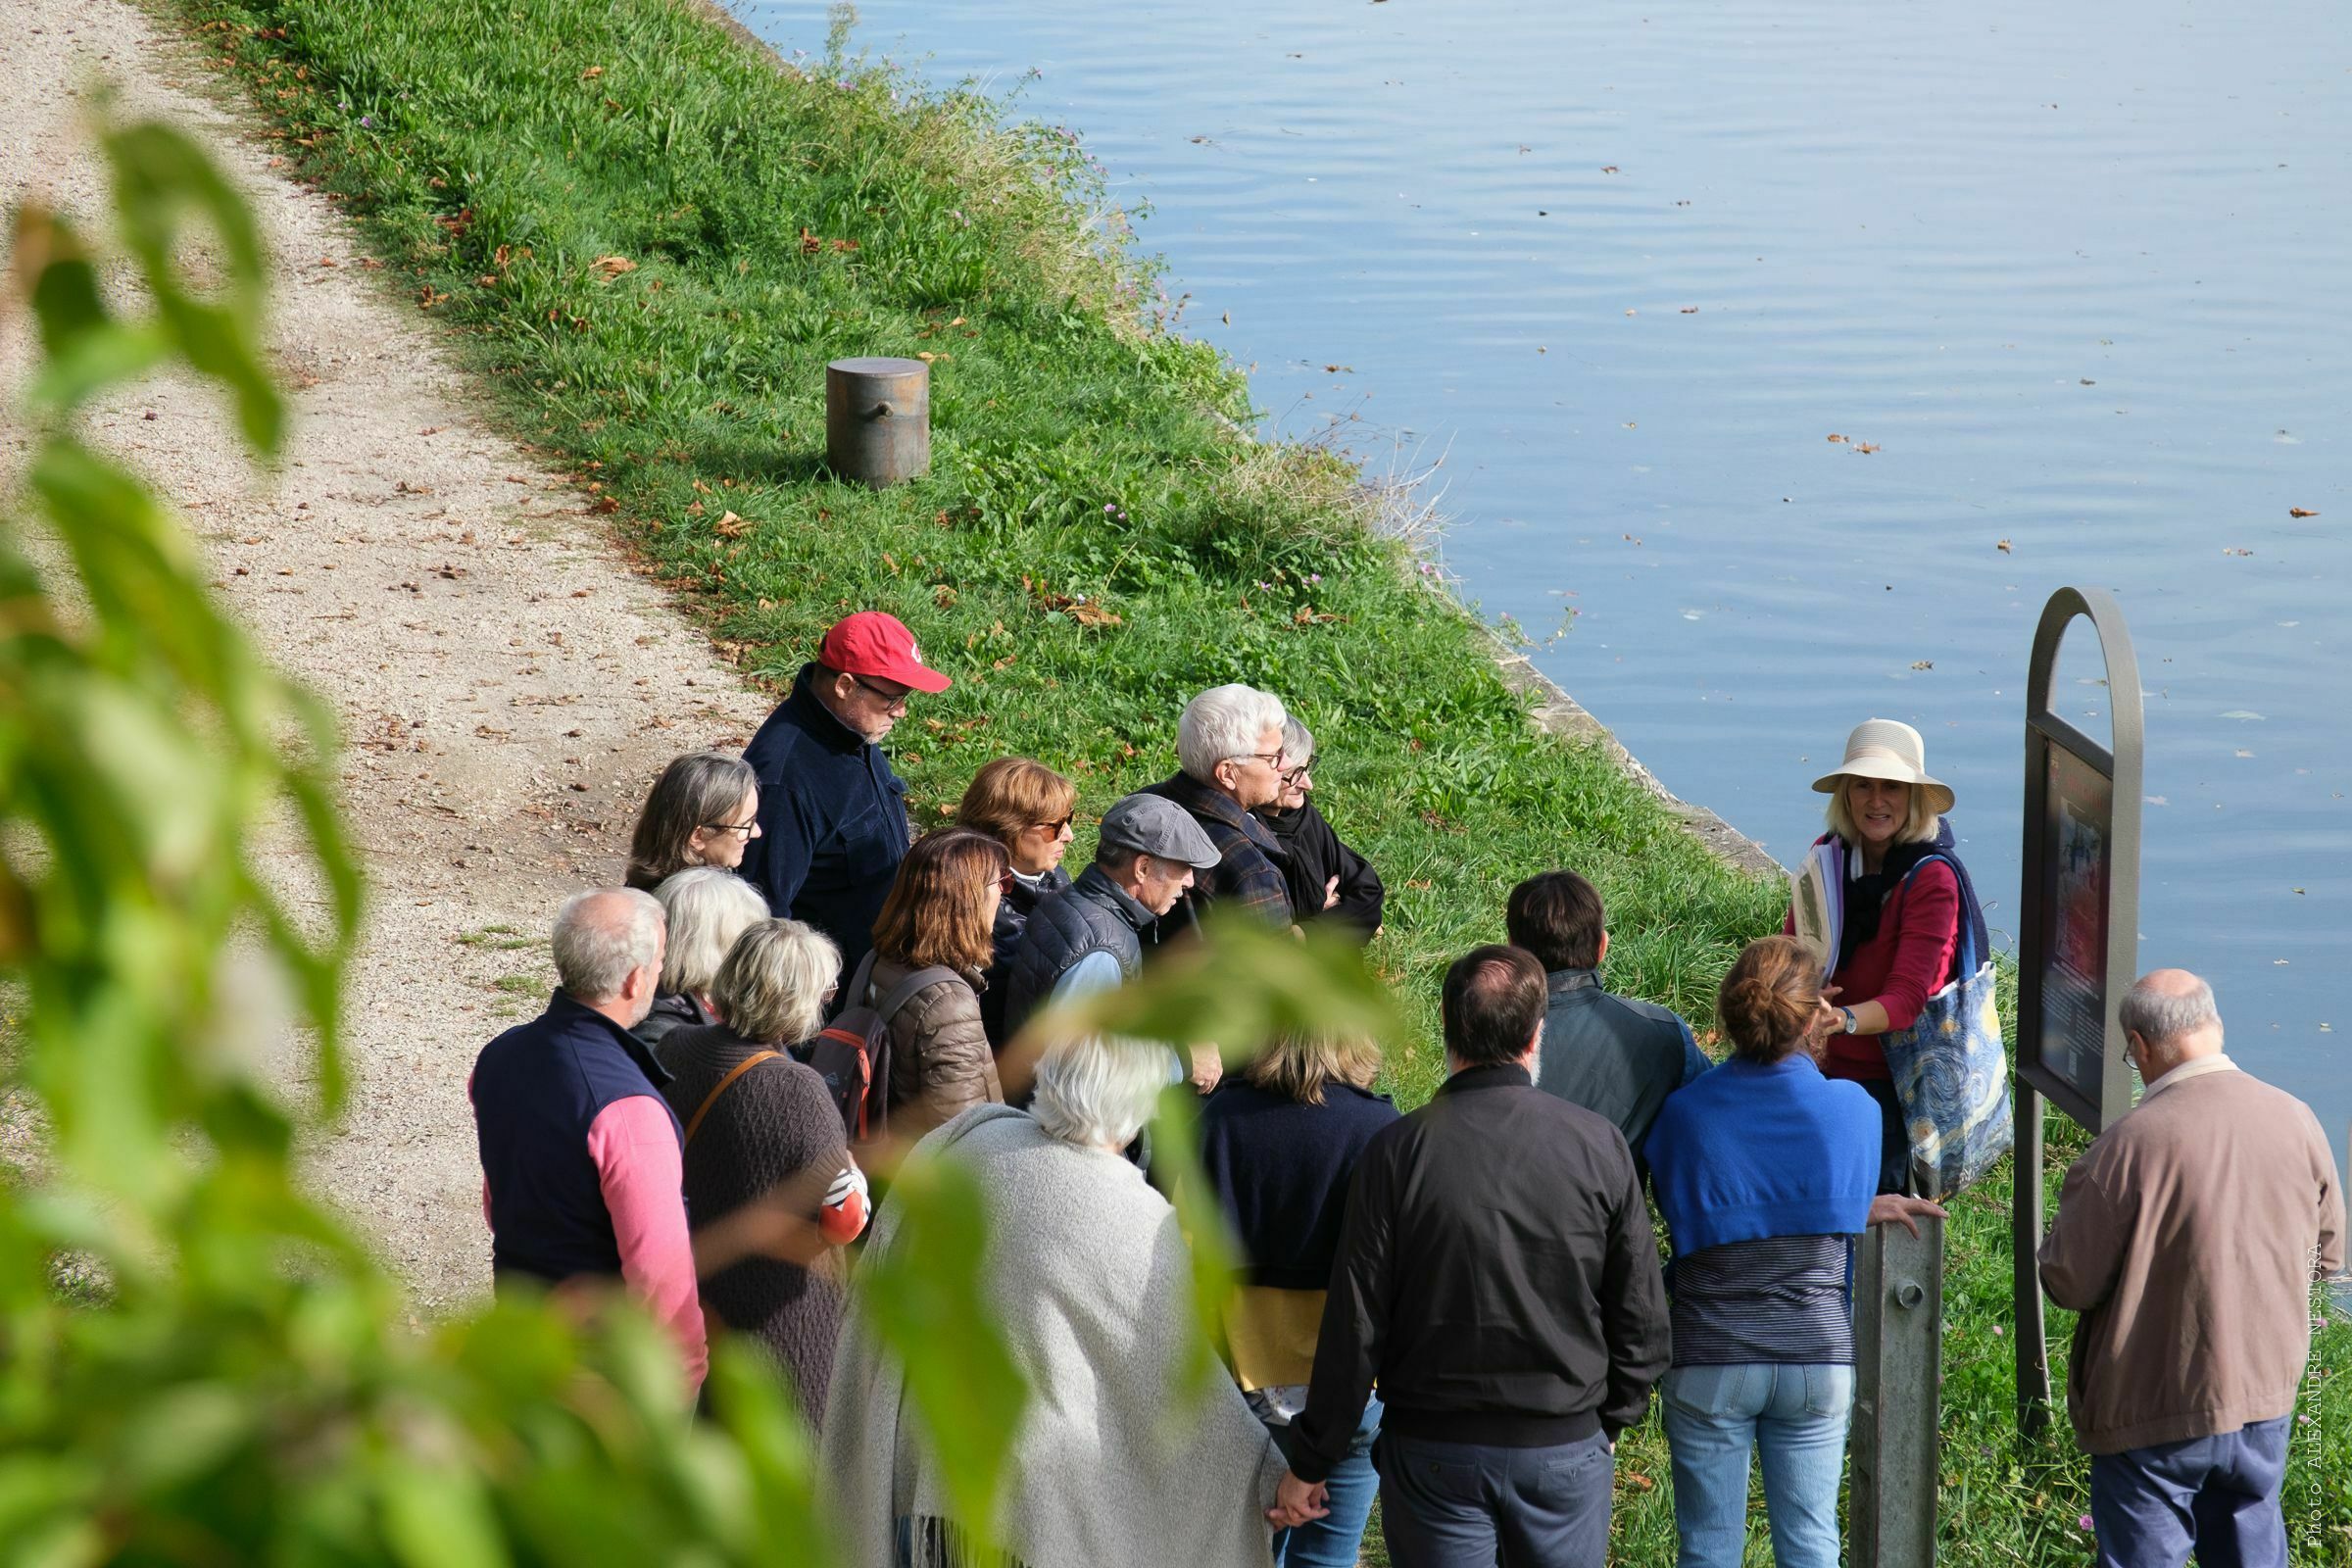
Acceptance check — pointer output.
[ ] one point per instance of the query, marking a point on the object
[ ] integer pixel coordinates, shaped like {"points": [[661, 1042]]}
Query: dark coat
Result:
{"points": [[1316, 855], [774, 1127], [671, 1009], [1013, 919], [1617, 1056], [1282, 1169], [1246, 877], [1093, 914], [832, 821]]}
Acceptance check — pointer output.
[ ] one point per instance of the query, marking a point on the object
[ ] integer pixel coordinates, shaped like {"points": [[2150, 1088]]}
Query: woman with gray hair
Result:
{"points": [[770, 1187], [1328, 880], [707, 910], [703, 811], [1087, 1276]]}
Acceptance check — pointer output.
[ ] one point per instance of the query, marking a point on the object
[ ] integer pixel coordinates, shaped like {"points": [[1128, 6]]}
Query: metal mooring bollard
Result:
{"points": [[878, 419], [1898, 1394]]}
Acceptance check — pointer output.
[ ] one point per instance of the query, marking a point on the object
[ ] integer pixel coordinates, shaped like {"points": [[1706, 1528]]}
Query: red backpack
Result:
{"points": [[852, 1054]]}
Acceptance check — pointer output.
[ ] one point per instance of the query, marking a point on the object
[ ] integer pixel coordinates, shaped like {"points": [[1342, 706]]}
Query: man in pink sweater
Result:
{"points": [[581, 1157], [2188, 1237]]}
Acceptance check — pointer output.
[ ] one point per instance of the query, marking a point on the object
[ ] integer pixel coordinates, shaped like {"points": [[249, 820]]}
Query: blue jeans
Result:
{"points": [[2217, 1495], [1330, 1541], [1477, 1505], [1796, 1415]]}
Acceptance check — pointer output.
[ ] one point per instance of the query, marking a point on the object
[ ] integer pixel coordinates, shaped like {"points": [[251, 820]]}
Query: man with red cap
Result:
{"points": [[832, 815]]}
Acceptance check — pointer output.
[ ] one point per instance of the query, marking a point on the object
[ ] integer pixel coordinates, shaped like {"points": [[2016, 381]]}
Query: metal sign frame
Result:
{"points": [[2047, 735], [2120, 766]]}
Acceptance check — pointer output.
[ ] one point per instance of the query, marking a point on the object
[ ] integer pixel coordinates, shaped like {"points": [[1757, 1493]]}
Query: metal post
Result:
{"points": [[2025, 1243], [878, 419], [1898, 1394]]}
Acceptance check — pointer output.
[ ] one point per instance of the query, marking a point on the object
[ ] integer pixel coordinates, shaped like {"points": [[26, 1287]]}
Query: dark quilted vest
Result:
{"points": [[1091, 917], [536, 1091]]}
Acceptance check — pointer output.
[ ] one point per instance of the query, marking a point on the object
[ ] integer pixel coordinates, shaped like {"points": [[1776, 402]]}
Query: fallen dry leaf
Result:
{"points": [[2301, 512], [1866, 446], [1609, 169], [731, 526], [1923, 664], [2003, 546], [1835, 437], [592, 72], [612, 266]]}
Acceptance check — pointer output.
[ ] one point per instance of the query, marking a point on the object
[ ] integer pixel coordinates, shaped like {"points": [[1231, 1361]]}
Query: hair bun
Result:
{"points": [[1768, 1000]]}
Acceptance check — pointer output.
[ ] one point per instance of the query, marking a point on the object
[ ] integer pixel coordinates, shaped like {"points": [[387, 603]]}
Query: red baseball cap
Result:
{"points": [[873, 643]]}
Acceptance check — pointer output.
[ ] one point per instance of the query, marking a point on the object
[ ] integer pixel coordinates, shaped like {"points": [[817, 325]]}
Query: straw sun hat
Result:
{"points": [[1887, 748]]}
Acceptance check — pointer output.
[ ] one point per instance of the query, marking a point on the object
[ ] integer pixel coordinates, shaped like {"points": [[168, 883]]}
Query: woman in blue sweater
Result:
{"points": [[1279, 1144], [1765, 1172]]}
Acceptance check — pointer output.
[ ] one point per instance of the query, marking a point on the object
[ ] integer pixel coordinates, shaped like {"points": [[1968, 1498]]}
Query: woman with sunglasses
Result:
{"points": [[939, 914], [1027, 807], [704, 810]]}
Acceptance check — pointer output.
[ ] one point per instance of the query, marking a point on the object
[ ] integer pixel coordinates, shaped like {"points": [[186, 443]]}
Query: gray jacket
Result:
{"points": [[1617, 1056]]}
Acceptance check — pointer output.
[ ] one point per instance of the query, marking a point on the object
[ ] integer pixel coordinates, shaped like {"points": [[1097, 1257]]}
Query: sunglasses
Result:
{"points": [[1057, 828], [1006, 880]]}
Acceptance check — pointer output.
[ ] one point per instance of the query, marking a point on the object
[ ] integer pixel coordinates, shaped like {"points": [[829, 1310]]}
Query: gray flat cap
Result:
{"points": [[1157, 825]]}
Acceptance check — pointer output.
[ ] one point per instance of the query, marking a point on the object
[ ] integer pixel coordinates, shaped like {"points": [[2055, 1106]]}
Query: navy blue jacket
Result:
{"points": [[832, 821], [536, 1091], [1282, 1170], [1618, 1056]]}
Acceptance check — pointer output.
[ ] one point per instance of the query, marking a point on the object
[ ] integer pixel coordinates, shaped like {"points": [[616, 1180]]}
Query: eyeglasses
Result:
{"points": [[1270, 759], [747, 829], [890, 699], [1292, 775], [1057, 829]]}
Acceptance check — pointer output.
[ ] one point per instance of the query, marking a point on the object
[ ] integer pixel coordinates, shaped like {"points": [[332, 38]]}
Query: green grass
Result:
{"points": [[649, 241]]}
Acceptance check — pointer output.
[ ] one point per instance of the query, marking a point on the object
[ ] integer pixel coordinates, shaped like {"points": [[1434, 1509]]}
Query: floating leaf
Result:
{"points": [[2301, 512]]}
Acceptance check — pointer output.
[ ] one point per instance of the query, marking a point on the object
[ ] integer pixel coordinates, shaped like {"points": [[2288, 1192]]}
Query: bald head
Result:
{"points": [[2169, 1017]]}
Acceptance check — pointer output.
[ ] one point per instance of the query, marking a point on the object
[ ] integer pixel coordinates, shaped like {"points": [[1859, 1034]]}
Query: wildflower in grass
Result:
{"points": [[2084, 1521], [368, 121]]}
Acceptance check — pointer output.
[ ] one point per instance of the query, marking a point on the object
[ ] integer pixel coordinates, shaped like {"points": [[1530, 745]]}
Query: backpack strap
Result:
{"points": [[905, 989], [712, 1098], [852, 994]]}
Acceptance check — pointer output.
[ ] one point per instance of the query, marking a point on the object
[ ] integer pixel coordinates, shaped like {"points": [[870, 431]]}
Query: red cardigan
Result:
{"points": [[1908, 961]]}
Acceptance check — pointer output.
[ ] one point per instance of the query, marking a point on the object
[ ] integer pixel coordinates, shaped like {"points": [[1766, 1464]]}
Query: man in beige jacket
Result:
{"points": [[2188, 1237]]}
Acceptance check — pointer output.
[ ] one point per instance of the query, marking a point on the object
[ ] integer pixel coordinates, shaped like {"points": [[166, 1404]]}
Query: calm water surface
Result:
{"points": [[2077, 273]]}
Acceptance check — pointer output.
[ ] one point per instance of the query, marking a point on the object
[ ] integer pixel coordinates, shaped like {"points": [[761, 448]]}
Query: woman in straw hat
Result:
{"points": [[1903, 894]]}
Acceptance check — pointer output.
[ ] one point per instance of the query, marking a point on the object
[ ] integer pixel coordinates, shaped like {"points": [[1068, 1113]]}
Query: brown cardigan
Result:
{"points": [[2188, 1237]]}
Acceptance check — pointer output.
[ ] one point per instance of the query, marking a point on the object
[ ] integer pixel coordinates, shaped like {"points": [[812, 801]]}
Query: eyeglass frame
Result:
{"points": [[1057, 829], [897, 699], [747, 829]]}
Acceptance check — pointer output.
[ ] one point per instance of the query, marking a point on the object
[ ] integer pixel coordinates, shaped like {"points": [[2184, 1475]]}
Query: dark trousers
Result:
{"points": [[1895, 1136], [2216, 1497], [1475, 1505]]}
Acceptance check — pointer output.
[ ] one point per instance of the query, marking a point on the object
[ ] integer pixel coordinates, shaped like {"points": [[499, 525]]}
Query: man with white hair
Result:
{"points": [[1229, 747], [2188, 1237], [582, 1159]]}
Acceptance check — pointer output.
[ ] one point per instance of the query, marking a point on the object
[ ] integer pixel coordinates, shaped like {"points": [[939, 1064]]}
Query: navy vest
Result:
{"points": [[1092, 915], [537, 1089]]}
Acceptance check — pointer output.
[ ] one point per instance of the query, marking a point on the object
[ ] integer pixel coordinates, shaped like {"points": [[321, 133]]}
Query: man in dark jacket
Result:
{"points": [[832, 815], [1616, 1055], [1327, 880], [1090, 935], [1499, 1276], [1229, 746]]}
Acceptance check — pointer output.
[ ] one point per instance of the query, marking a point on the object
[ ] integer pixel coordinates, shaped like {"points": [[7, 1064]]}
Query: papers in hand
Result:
{"points": [[1817, 903]]}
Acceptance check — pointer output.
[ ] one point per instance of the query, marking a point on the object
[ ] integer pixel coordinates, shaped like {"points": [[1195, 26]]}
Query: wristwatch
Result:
{"points": [[1848, 1013]]}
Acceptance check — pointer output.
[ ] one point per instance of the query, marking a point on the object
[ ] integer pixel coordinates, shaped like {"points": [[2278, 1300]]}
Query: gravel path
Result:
{"points": [[506, 686]]}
